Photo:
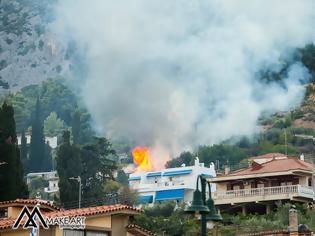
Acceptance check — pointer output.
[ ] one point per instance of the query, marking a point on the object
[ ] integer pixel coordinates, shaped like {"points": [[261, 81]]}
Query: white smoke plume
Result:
{"points": [[180, 73]]}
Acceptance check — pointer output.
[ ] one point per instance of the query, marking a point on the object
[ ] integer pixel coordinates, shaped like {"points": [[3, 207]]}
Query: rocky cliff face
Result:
{"points": [[29, 53]]}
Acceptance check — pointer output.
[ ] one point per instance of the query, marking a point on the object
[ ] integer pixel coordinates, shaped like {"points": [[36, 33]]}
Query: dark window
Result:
{"points": [[70, 232]]}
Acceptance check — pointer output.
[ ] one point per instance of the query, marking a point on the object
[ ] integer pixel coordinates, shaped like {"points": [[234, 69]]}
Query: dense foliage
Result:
{"points": [[277, 220], [94, 163], [68, 166], [167, 219], [60, 109], [12, 185], [39, 158]]}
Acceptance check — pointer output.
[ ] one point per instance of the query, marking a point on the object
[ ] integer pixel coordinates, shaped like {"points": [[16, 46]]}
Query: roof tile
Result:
{"points": [[275, 165], [29, 201]]}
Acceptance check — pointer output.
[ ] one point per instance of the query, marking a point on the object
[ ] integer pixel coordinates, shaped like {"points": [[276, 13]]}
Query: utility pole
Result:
{"points": [[80, 187]]}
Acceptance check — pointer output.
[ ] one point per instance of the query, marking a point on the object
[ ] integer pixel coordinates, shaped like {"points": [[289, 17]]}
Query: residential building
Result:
{"points": [[51, 177], [51, 141], [270, 180], [111, 220], [169, 184]]}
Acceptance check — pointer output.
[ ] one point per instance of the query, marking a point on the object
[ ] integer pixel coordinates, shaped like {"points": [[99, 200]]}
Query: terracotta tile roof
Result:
{"points": [[275, 165], [94, 211], [268, 155], [22, 202], [6, 223], [139, 231]]}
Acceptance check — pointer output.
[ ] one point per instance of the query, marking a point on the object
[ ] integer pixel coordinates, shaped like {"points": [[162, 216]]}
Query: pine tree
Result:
{"points": [[12, 185], [68, 165], [37, 148]]}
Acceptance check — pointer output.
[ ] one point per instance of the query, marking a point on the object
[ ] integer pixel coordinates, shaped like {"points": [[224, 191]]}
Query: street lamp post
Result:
{"points": [[80, 187], [200, 205]]}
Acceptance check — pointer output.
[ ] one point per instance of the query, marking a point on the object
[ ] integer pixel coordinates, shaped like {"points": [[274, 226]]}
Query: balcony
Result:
{"points": [[264, 194], [51, 189]]}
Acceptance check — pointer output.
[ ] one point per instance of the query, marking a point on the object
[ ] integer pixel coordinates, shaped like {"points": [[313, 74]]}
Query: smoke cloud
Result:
{"points": [[175, 74]]}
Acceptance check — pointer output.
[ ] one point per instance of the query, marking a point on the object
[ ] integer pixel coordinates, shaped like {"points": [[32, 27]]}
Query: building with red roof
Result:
{"points": [[108, 220], [271, 179]]}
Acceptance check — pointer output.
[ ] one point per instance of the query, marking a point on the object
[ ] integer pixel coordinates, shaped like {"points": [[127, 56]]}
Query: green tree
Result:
{"points": [[122, 178], [12, 185], [163, 219], [184, 158], [76, 126], [97, 167], [53, 126], [221, 152], [68, 165], [37, 147], [47, 162]]}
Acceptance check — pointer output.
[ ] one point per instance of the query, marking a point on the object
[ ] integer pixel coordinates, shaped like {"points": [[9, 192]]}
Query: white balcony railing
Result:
{"points": [[51, 189], [303, 191]]}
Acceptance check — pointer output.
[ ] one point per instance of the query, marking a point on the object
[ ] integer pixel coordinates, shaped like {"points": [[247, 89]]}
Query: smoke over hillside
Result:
{"points": [[179, 73]]}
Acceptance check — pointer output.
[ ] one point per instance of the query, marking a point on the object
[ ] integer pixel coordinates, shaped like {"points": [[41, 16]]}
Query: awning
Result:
{"points": [[135, 178], [146, 199], [154, 174], [177, 172], [172, 194], [206, 175]]}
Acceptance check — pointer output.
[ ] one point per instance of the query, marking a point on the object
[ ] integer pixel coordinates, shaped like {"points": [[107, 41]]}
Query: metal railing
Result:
{"points": [[277, 190]]}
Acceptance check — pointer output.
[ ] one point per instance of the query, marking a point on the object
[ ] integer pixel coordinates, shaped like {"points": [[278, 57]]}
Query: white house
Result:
{"points": [[51, 177], [170, 184], [52, 141]]}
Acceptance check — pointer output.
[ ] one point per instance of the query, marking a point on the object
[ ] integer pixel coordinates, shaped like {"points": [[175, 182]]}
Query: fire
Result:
{"points": [[142, 158]]}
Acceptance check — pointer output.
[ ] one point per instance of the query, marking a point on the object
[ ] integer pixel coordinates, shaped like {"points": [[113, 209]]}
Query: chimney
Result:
{"points": [[226, 169], [293, 221], [197, 161], [302, 157]]}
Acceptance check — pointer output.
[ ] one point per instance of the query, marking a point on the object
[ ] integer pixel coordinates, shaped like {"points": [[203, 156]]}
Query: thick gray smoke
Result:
{"points": [[179, 73]]}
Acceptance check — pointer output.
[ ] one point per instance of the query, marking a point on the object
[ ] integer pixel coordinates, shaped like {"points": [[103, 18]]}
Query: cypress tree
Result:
{"points": [[47, 162], [68, 165], [12, 185], [37, 147]]}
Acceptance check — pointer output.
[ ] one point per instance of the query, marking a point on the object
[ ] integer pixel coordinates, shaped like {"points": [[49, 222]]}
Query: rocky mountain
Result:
{"points": [[29, 53]]}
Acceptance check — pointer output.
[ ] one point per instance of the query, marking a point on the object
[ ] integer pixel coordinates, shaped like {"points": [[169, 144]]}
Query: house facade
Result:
{"points": [[268, 182], [51, 177], [169, 184], [111, 220]]}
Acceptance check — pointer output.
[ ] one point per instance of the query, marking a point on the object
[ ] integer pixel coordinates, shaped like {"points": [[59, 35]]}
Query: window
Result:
{"points": [[69, 232], [96, 233]]}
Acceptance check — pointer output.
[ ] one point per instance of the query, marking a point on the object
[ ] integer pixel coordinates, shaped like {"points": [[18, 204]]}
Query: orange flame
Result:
{"points": [[142, 158]]}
